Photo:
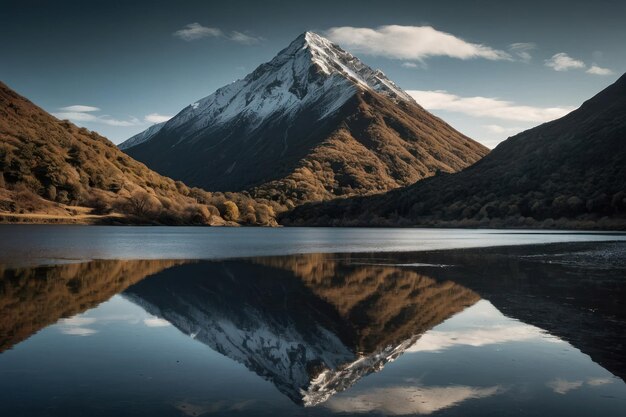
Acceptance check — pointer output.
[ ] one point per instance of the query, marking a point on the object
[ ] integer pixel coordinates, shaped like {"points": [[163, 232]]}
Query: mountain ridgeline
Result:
{"points": [[568, 173], [53, 171], [314, 123]]}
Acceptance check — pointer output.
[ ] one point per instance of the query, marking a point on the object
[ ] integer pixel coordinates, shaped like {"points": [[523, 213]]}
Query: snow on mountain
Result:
{"points": [[278, 352], [141, 137], [308, 368], [311, 72]]}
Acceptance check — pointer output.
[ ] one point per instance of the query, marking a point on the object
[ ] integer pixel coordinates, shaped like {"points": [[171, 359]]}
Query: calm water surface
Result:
{"points": [[532, 331], [44, 243]]}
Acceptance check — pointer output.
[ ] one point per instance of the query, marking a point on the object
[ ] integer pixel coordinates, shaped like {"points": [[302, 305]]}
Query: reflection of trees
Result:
{"points": [[33, 298], [385, 304], [313, 325]]}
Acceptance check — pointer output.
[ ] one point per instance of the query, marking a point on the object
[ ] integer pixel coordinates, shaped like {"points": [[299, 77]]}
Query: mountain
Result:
{"points": [[54, 171], [142, 136], [568, 173], [314, 123], [294, 322]]}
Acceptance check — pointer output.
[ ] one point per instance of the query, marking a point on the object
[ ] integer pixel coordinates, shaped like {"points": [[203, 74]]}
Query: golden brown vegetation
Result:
{"points": [[377, 146], [49, 165], [385, 304], [569, 173], [33, 298]]}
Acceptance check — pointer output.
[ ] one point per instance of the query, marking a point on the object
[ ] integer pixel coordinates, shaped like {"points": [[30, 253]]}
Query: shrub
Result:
{"points": [[231, 211]]}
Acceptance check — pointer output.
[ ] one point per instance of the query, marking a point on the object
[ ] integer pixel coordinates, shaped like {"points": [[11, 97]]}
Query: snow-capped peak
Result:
{"points": [[332, 59], [311, 75]]}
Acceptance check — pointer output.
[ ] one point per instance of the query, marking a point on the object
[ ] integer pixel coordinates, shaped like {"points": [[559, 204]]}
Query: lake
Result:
{"points": [[138, 321]]}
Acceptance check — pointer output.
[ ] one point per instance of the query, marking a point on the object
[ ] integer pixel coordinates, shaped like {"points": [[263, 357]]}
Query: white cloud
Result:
{"points": [[156, 322], [596, 70], [563, 62], [438, 340], [194, 31], [74, 326], [522, 50], [563, 386], [410, 43], [156, 118], [85, 114], [596, 382], [409, 65], [79, 108], [406, 400], [486, 107], [487, 326], [244, 38]]}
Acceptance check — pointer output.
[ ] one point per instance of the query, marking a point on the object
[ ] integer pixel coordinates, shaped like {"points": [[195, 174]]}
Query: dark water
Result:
{"points": [[35, 244], [528, 331]]}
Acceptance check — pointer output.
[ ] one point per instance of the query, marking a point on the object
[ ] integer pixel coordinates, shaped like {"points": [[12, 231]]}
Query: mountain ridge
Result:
{"points": [[296, 105], [570, 172], [54, 171]]}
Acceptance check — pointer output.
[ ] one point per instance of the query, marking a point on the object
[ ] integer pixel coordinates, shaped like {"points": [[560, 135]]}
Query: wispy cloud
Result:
{"points": [[82, 114], [79, 114], [244, 38], [563, 62], [75, 326], [79, 108], [408, 400], [522, 50], [409, 65], [156, 118], [195, 31], [596, 70], [156, 322], [486, 107], [410, 43], [563, 386]]}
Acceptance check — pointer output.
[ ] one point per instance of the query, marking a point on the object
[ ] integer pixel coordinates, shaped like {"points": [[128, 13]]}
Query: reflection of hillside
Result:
{"points": [[311, 324], [33, 298], [574, 291], [384, 304]]}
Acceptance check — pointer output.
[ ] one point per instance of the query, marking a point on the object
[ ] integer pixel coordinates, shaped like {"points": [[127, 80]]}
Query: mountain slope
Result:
{"points": [[36, 297], [48, 167], [570, 172], [311, 124], [312, 335], [141, 137]]}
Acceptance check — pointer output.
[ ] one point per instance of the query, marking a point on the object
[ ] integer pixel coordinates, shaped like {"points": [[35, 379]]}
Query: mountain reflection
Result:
{"points": [[311, 324], [315, 324], [35, 297]]}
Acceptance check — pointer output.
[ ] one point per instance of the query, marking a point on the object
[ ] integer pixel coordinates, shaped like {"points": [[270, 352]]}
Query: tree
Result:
{"points": [[231, 211], [142, 203]]}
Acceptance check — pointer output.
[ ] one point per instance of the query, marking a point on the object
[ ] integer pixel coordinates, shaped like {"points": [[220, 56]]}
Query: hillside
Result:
{"points": [[568, 173], [312, 124], [34, 298], [54, 171]]}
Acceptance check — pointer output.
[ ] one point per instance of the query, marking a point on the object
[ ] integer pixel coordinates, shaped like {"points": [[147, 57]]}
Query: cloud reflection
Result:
{"points": [[74, 326], [479, 325], [404, 400], [156, 322]]}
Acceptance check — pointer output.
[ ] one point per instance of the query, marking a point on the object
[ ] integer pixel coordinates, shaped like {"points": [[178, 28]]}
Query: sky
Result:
{"points": [[489, 68]]}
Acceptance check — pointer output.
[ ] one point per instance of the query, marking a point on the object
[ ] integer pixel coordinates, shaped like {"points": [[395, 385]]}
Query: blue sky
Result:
{"points": [[489, 68]]}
